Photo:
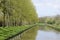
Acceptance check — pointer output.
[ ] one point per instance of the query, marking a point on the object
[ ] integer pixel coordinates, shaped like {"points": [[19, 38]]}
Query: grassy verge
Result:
{"points": [[10, 31], [55, 27], [30, 34]]}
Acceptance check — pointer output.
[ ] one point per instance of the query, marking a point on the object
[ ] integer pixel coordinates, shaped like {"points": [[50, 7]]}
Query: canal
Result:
{"points": [[45, 33]]}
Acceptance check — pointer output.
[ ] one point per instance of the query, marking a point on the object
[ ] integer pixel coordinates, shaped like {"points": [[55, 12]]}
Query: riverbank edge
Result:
{"points": [[7, 33]]}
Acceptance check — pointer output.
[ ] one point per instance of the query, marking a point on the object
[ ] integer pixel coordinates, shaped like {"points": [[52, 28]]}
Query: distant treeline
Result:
{"points": [[17, 12], [50, 20]]}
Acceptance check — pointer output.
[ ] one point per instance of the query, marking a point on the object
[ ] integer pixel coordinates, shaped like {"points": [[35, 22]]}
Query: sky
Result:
{"points": [[47, 7]]}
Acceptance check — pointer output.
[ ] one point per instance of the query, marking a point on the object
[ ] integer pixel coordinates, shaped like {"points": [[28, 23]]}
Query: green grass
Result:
{"points": [[10, 31]]}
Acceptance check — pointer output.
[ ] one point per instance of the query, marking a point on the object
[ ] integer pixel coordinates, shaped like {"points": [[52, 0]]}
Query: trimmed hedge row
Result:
{"points": [[10, 31]]}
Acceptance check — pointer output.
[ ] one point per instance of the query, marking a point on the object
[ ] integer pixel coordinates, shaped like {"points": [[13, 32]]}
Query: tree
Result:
{"points": [[18, 12]]}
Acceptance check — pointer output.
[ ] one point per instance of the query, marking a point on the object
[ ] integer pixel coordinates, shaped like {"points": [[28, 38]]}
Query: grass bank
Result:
{"points": [[10, 31], [55, 27]]}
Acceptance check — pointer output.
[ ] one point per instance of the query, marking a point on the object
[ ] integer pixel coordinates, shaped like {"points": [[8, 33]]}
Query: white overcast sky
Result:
{"points": [[47, 7]]}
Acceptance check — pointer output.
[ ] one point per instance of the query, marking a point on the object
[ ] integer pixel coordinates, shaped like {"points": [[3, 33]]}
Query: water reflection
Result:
{"points": [[47, 35]]}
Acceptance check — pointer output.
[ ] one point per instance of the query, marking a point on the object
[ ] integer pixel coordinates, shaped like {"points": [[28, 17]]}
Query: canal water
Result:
{"points": [[47, 35]]}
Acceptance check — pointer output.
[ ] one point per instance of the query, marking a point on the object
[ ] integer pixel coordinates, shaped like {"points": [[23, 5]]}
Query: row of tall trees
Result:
{"points": [[17, 12]]}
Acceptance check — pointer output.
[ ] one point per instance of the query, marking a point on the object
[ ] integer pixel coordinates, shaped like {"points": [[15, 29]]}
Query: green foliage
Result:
{"points": [[14, 13], [18, 12]]}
